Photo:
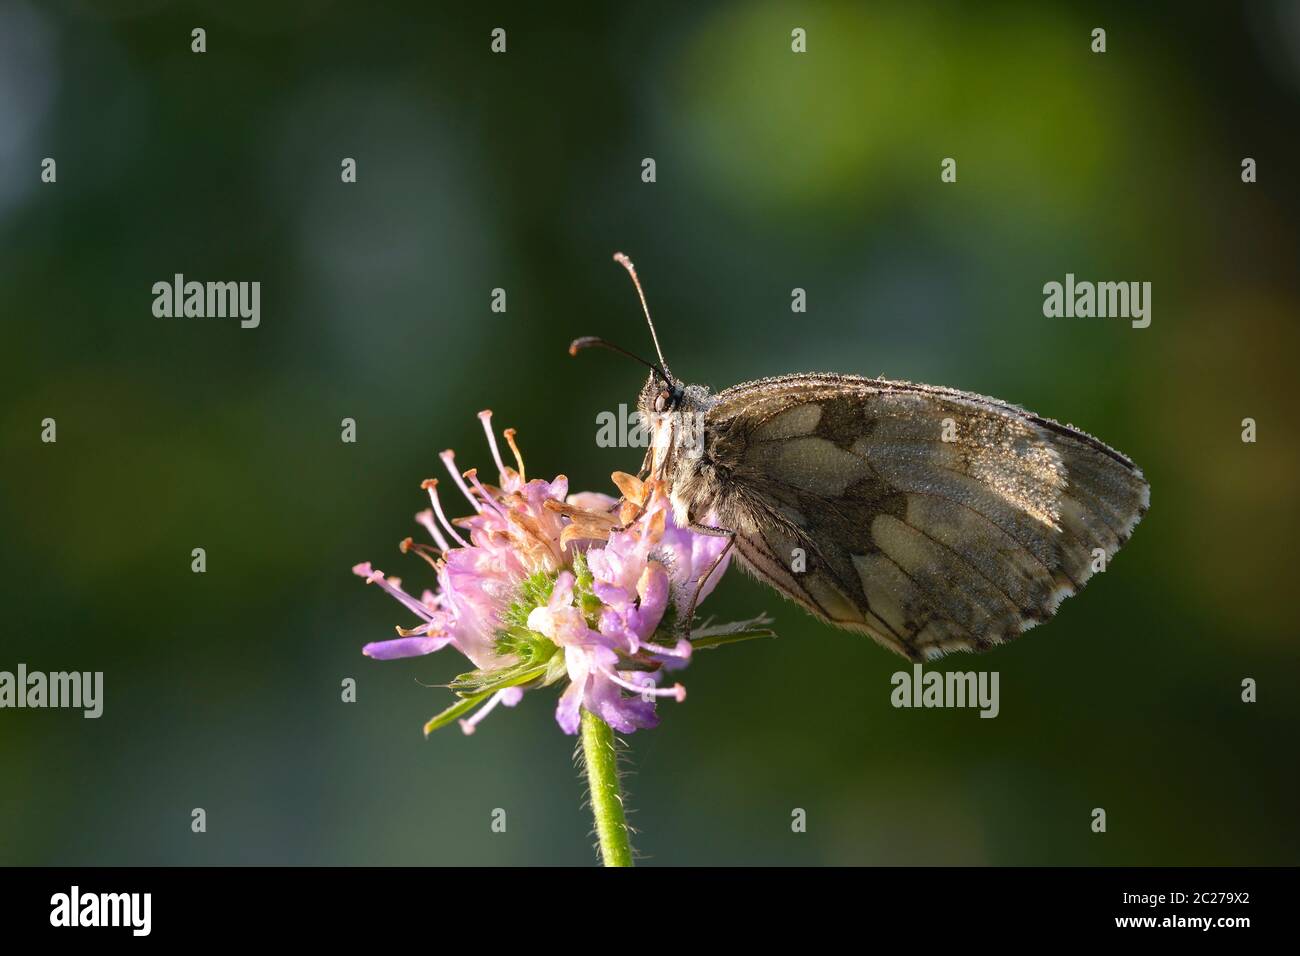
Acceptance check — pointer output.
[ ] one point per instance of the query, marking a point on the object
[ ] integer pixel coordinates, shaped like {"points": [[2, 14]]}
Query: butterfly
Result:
{"points": [[930, 519]]}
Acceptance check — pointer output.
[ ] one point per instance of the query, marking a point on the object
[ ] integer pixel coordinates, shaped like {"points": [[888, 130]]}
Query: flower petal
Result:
{"points": [[405, 647]]}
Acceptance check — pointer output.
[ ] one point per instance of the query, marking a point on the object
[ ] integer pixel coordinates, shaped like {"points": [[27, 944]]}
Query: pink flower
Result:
{"points": [[538, 586]]}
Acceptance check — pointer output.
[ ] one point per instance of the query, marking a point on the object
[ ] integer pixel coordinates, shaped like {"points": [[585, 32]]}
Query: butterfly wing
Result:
{"points": [[932, 519]]}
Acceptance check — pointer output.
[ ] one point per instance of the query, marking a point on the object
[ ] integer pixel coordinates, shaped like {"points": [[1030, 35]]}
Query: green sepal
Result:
{"points": [[477, 683], [454, 711], [717, 636]]}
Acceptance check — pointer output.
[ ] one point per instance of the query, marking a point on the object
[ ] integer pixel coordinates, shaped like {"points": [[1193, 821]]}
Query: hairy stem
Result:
{"points": [[606, 797]]}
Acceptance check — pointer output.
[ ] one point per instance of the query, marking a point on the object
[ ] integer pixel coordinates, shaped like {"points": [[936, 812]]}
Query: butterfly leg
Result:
{"points": [[700, 582]]}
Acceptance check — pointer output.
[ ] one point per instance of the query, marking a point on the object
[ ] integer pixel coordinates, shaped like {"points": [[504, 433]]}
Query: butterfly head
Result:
{"points": [[661, 395]]}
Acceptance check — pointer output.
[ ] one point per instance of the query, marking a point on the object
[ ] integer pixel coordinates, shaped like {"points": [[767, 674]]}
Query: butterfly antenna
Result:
{"points": [[626, 263], [592, 341]]}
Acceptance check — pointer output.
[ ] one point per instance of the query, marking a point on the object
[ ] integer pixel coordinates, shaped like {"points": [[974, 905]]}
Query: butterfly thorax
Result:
{"points": [[680, 442]]}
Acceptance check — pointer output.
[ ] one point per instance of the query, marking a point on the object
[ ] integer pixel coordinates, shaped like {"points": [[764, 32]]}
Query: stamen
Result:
{"points": [[423, 550], [393, 588], [509, 434], [682, 650], [472, 475], [432, 485], [677, 690], [449, 459], [485, 417], [425, 518]]}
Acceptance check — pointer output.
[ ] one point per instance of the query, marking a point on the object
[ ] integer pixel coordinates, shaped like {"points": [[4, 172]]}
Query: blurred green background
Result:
{"points": [[522, 171]]}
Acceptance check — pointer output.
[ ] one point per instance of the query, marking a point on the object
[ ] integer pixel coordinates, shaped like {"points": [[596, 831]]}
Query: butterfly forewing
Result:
{"points": [[931, 519]]}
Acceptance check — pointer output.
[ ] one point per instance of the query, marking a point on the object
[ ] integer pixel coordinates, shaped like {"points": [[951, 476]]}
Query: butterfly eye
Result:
{"points": [[662, 400]]}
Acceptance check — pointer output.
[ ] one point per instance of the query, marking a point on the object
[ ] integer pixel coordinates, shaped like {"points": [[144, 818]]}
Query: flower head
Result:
{"points": [[538, 586]]}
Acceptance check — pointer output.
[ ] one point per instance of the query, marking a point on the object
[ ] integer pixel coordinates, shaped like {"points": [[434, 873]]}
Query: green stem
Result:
{"points": [[606, 797]]}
